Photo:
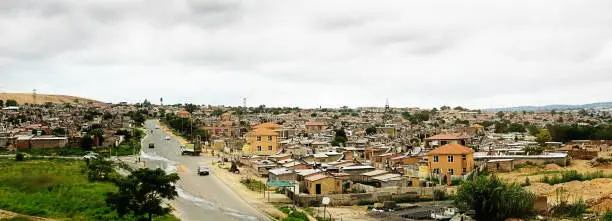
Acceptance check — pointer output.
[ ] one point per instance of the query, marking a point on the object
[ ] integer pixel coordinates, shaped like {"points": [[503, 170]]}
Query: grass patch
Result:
{"points": [[67, 151], [55, 188], [543, 173], [572, 175], [254, 185]]}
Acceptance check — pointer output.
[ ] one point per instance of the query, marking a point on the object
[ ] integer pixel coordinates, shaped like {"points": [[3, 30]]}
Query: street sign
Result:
{"points": [[325, 201]]}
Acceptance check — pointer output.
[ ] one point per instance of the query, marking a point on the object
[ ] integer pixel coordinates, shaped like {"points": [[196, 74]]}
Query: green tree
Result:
{"points": [[99, 169], [340, 138], [543, 136], [146, 103], [191, 108], [59, 132], [371, 130], [445, 107], [1, 103], [494, 200], [107, 115], [86, 142], [99, 133], [11, 103], [142, 193], [500, 114], [515, 127]]}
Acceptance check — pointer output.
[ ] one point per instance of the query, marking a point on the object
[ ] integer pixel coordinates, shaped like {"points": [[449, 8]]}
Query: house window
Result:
{"points": [[451, 171], [436, 159], [464, 170], [269, 138], [463, 157], [258, 138], [338, 183], [258, 148], [269, 147], [451, 159], [436, 170]]}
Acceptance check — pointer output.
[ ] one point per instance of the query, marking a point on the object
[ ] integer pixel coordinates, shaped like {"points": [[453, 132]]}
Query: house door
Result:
{"points": [[318, 189]]}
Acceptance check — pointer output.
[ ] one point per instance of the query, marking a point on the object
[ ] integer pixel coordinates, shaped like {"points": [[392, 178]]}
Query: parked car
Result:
{"points": [[203, 171], [167, 137], [151, 145]]}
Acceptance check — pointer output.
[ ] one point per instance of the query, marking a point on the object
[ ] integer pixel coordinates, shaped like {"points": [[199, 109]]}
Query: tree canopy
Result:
{"points": [[370, 130], [11, 103], [142, 193], [86, 142]]}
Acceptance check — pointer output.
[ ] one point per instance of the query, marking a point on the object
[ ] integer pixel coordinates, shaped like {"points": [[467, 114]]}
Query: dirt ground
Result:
{"points": [[597, 192]]}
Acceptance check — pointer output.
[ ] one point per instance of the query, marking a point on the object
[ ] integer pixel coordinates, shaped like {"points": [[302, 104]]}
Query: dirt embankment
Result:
{"points": [[25, 98], [8, 215]]}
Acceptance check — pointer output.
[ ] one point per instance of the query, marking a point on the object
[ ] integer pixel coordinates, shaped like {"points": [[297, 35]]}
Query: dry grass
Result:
{"points": [[23, 98]]}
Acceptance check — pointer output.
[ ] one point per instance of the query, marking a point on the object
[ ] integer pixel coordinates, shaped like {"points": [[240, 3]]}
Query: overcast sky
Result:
{"points": [[477, 54]]}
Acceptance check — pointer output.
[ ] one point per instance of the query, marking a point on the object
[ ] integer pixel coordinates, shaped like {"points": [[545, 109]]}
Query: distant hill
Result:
{"points": [[554, 107], [23, 98]]}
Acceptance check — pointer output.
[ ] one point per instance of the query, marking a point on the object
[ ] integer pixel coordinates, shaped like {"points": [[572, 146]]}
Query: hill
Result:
{"points": [[23, 98], [599, 105]]}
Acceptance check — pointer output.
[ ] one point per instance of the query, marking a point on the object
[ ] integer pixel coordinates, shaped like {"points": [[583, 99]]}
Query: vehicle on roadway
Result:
{"points": [[156, 126], [191, 149], [167, 138], [203, 171], [151, 145], [91, 155]]}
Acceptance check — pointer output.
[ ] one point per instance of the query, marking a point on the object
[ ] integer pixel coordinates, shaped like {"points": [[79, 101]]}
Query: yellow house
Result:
{"points": [[261, 141], [323, 184], [451, 159]]}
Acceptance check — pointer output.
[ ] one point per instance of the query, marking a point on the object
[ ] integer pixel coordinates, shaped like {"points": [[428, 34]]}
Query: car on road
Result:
{"points": [[151, 145], [91, 155], [156, 126], [167, 137], [203, 171]]}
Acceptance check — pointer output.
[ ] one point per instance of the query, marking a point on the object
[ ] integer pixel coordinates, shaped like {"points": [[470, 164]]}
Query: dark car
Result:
{"points": [[203, 171], [151, 145]]}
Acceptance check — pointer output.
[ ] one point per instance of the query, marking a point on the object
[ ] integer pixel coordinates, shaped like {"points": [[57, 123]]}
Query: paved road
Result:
{"points": [[200, 197]]}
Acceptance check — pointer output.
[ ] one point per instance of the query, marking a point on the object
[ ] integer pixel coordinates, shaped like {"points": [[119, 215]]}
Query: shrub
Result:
{"points": [[439, 194], [285, 209], [365, 202], [607, 216], [19, 157], [568, 176], [493, 199], [565, 209]]}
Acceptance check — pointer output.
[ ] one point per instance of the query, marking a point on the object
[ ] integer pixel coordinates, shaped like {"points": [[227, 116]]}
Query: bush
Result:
{"points": [[607, 216], [285, 209], [19, 157], [296, 216], [568, 176], [365, 202], [439, 194], [493, 199], [565, 209]]}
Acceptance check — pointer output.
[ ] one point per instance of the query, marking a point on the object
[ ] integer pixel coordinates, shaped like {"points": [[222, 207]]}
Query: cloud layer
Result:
{"points": [[477, 54]]}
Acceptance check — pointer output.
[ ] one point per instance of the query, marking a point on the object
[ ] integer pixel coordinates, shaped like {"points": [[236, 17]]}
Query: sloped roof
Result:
{"points": [[452, 148], [446, 137], [269, 125], [263, 132]]}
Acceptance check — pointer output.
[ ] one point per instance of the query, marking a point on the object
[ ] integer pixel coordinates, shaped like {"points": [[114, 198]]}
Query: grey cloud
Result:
{"points": [[317, 53]]}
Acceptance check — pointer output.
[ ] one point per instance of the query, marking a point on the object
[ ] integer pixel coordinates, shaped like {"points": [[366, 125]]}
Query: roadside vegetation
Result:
{"points": [[492, 199], [572, 175], [61, 189]]}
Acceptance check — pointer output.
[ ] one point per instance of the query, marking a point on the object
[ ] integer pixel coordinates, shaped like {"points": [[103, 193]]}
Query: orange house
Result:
{"points": [[451, 159]]}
